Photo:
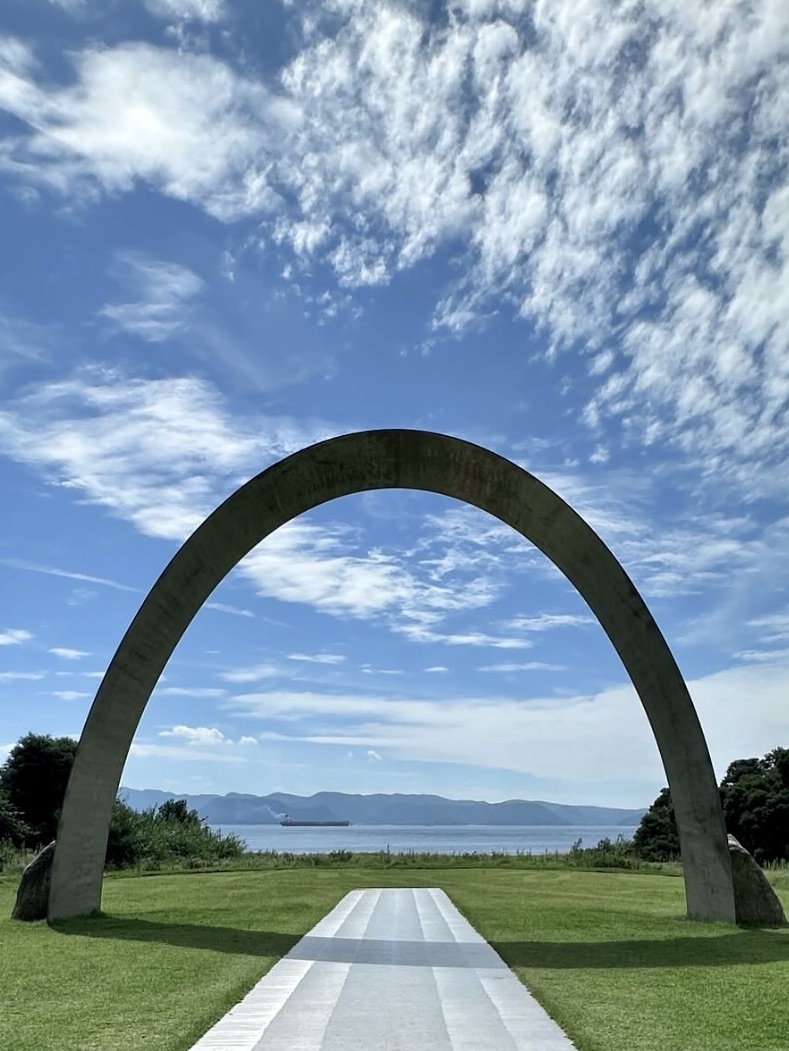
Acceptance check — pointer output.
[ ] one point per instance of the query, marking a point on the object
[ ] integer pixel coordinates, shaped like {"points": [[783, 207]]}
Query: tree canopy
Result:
{"points": [[13, 829], [755, 799], [33, 783], [33, 780], [656, 837], [755, 802]]}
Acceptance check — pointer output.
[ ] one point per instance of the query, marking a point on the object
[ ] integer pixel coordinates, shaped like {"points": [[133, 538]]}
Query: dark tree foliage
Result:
{"points": [[123, 845], [755, 799], [656, 837], [13, 830], [167, 835], [32, 786], [34, 779], [176, 810]]}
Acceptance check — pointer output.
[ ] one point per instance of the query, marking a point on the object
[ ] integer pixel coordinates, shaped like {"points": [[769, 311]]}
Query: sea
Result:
{"points": [[437, 839]]}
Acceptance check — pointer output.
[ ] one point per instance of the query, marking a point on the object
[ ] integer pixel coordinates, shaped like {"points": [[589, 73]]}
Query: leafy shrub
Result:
{"points": [[169, 835], [13, 830]]}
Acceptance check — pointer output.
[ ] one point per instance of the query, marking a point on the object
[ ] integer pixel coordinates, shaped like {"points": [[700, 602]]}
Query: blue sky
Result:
{"points": [[232, 228]]}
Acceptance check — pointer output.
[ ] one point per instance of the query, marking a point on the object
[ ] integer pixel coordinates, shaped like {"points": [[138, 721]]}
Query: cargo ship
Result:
{"points": [[297, 822]]}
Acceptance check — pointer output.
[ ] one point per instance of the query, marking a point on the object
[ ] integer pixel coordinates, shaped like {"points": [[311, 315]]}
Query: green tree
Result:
{"points": [[755, 800], [656, 838], [32, 786], [755, 803], [33, 780], [177, 811], [125, 843], [13, 830]]}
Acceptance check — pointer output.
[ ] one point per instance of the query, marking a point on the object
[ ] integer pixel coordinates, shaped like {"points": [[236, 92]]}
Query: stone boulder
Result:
{"points": [[32, 898], [755, 902]]}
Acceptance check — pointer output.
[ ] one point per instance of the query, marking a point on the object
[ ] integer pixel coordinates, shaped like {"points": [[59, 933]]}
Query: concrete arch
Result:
{"points": [[355, 463]]}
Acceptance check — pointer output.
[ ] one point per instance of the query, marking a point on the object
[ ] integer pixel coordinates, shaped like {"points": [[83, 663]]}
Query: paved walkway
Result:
{"points": [[388, 970]]}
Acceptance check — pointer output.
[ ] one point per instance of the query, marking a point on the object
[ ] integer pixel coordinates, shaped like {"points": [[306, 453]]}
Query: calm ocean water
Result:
{"points": [[440, 839]]}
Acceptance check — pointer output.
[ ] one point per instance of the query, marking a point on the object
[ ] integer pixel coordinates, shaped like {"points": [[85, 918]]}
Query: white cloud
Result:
{"points": [[23, 341], [773, 626], [317, 658], [182, 753], [762, 656], [191, 691], [609, 173], [418, 633], [68, 654], [223, 607], [14, 636], [161, 454], [34, 567], [611, 170], [368, 669], [16, 60], [665, 558], [201, 10], [303, 562], [21, 676], [71, 695], [525, 666], [158, 453], [70, 6], [549, 621], [588, 739], [184, 123], [372, 754], [252, 674], [309, 738], [438, 668], [584, 738], [197, 735], [677, 558], [161, 295]]}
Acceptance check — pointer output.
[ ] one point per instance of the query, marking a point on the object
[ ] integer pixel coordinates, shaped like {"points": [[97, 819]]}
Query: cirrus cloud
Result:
{"points": [[609, 172]]}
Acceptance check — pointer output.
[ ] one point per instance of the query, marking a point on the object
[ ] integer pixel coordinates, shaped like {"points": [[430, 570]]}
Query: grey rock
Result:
{"points": [[32, 897], [755, 901]]}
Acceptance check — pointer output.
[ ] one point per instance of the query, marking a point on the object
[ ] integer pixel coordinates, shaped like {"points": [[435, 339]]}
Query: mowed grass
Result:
{"points": [[608, 954]]}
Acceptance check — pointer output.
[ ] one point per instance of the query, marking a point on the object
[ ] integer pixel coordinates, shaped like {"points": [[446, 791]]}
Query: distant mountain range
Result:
{"points": [[237, 809]]}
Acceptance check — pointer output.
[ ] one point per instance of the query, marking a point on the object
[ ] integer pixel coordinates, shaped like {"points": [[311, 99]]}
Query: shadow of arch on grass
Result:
{"points": [[357, 463], [722, 948], [233, 940]]}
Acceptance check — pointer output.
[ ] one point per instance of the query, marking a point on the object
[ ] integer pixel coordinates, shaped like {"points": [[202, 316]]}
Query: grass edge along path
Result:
{"points": [[608, 954]]}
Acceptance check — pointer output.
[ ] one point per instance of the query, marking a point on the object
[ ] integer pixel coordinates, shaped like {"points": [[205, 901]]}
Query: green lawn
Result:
{"points": [[607, 953]]}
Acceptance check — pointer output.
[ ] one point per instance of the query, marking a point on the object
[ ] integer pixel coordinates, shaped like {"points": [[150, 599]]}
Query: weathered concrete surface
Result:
{"points": [[32, 896], [389, 969], [354, 463], [755, 901]]}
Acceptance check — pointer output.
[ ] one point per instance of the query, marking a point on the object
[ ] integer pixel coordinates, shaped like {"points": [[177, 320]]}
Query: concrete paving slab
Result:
{"points": [[389, 970]]}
